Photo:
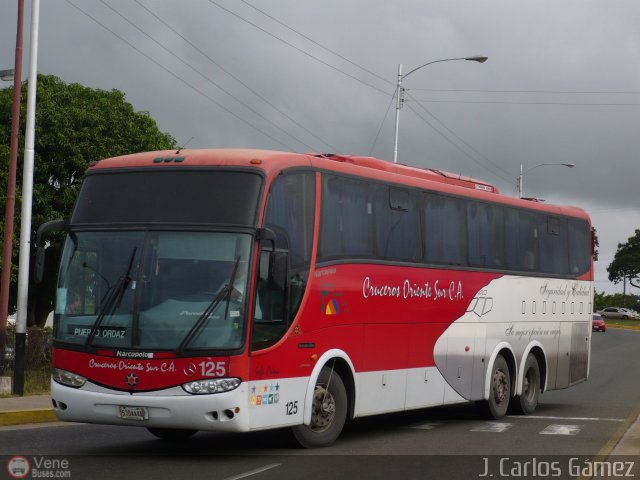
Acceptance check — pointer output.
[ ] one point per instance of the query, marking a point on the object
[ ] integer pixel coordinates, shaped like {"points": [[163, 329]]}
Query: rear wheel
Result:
{"points": [[329, 412], [500, 391], [528, 401], [172, 433]]}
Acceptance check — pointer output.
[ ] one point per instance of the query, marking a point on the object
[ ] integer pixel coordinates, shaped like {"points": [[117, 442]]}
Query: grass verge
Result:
{"points": [[36, 382], [628, 324]]}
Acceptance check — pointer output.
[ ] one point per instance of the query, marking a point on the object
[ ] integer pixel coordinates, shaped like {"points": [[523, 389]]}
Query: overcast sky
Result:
{"points": [[562, 84]]}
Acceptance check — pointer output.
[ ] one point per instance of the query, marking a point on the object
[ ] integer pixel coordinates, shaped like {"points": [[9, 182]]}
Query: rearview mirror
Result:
{"points": [[53, 225]]}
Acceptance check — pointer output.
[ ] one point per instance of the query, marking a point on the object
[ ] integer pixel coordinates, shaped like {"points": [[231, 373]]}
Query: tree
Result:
{"points": [[626, 262], [75, 125], [603, 300]]}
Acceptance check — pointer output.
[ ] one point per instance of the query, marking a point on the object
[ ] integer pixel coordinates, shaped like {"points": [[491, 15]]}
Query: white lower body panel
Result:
{"points": [[170, 408]]}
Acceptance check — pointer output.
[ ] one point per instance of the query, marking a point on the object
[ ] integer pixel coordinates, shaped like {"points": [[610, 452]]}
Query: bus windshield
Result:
{"points": [[153, 290]]}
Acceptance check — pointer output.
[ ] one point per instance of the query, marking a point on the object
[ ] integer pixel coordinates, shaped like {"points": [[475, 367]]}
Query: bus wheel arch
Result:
{"points": [[329, 401], [500, 384], [340, 361]]}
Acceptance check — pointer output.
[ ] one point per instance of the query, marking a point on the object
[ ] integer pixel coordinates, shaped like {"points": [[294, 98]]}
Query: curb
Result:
{"points": [[36, 415]]}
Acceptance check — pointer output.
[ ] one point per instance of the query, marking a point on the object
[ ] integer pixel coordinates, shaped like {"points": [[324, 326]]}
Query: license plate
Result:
{"points": [[133, 413]]}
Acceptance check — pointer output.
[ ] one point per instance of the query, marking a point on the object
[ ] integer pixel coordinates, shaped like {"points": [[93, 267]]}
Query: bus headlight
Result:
{"points": [[67, 378], [218, 385]]}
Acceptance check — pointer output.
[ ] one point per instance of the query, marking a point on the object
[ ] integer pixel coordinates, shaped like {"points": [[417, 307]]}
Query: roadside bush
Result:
{"points": [[38, 352], [38, 348]]}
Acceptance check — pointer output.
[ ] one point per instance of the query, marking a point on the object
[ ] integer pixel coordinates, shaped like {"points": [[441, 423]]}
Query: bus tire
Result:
{"points": [[526, 403], [173, 434], [499, 391], [329, 412]]}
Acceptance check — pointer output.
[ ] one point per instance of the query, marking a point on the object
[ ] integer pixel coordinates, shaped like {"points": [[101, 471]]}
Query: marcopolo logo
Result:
{"points": [[132, 380], [18, 467]]}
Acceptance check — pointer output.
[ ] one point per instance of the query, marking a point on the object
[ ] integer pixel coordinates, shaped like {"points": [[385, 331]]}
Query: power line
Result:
{"points": [[297, 48], [386, 80], [458, 147], [456, 136], [292, 46], [552, 92], [371, 73], [182, 80], [261, 97], [382, 124], [498, 102], [244, 104]]}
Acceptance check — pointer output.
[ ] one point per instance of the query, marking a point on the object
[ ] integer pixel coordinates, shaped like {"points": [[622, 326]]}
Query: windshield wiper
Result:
{"points": [[225, 292], [113, 298]]}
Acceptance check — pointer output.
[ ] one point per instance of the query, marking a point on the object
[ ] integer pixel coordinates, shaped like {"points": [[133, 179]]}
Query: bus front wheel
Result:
{"points": [[329, 412], [173, 434], [499, 392]]}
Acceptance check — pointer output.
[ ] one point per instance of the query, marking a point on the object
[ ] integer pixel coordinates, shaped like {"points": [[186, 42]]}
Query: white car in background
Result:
{"points": [[618, 313]]}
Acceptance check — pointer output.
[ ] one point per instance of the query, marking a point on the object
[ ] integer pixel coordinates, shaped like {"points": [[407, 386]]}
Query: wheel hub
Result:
{"points": [[324, 409], [500, 386]]}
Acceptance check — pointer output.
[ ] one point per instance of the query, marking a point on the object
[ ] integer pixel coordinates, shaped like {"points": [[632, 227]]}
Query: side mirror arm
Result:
{"points": [[54, 225], [267, 235]]}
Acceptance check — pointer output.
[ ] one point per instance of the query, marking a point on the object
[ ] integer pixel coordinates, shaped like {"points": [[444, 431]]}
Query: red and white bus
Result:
{"points": [[240, 290]]}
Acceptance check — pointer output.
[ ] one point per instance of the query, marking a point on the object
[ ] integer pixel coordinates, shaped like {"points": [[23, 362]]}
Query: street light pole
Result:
{"points": [[399, 100], [521, 176], [400, 92], [27, 204]]}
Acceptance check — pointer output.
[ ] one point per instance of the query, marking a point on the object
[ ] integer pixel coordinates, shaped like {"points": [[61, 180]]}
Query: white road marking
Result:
{"points": [[254, 472], [493, 427], [561, 430], [425, 426], [578, 419]]}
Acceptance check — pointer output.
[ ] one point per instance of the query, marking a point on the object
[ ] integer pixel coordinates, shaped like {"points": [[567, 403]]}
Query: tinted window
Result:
{"points": [[554, 245], [521, 240], [169, 196], [290, 214], [579, 247], [290, 211], [397, 224], [485, 225], [347, 218], [445, 230]]}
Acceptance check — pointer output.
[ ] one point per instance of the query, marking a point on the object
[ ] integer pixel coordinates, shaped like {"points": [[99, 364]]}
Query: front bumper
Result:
{"points": [[169, 408]]}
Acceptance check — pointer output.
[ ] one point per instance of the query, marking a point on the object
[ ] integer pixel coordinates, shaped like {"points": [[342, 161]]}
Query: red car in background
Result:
{"points": [[598, 324]]}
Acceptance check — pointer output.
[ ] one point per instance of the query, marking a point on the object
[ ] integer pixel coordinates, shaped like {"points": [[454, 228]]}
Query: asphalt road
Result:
{"points": [[447, 442]]}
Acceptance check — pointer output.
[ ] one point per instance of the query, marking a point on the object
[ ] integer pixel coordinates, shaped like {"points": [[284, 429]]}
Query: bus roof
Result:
{"points": [[273, 162]]}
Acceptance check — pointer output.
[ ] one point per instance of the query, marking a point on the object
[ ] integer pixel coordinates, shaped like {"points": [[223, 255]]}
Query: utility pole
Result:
{"points": [[9, 211]]}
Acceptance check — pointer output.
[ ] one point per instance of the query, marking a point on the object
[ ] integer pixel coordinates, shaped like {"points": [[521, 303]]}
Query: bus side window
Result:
{"points": [[268, 316], [290, 215]]}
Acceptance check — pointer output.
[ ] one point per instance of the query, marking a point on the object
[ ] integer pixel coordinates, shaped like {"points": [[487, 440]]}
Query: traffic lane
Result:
{"points": [[612, 390], [441, 431], [610, 395]]}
